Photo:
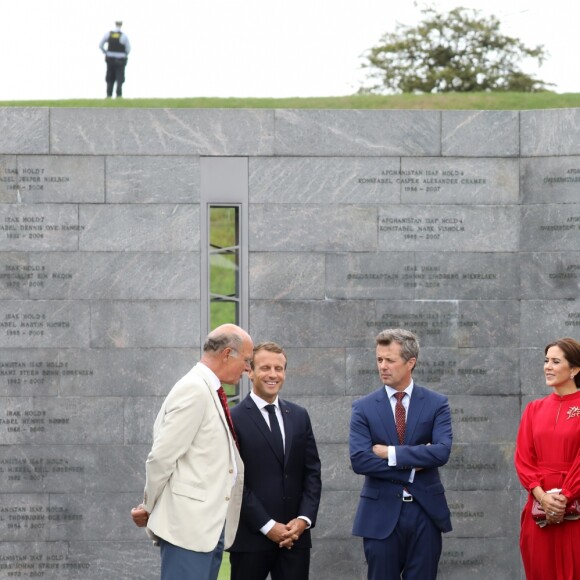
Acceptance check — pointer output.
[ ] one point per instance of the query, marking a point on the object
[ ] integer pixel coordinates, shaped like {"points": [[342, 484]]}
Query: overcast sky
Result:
{"points": [[239, 48]]}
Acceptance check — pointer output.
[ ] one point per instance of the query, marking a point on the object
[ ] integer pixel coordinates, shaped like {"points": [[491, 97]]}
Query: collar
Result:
{"points": [[260, 403], [215, 383], [409, 390]]}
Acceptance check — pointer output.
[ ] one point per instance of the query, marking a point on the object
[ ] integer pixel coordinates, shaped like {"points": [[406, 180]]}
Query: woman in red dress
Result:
{"points": [[548, 458]]}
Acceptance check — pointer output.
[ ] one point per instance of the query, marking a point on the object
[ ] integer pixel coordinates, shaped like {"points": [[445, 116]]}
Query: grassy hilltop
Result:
{"points": [[471, 101]]}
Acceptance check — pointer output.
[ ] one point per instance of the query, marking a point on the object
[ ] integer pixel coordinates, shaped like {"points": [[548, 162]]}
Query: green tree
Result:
{"points": [[458, 51]]}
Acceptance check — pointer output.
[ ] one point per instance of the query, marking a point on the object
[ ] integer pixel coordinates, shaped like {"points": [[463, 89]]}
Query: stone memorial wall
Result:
{"points": [[463, 226]]}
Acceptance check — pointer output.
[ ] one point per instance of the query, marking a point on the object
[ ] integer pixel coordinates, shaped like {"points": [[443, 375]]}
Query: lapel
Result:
{"points": [[416, 406], [216, 398], [258, 419], [385, 416]]}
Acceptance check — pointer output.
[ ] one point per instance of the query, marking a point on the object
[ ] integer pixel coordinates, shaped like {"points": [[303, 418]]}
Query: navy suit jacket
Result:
{"points": [[372, 422], [275, 487]]}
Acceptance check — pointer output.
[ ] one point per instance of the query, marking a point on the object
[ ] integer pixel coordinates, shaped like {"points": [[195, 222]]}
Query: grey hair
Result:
{"points": [[408, 341], [218, 341]]}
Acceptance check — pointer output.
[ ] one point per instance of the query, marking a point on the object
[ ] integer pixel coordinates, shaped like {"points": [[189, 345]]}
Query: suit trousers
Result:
{"points": [[411, 552], [281, 564], [181, 564]]}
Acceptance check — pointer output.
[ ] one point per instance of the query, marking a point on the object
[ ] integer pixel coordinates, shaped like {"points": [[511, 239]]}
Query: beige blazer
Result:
{"points": [[190, 489]]}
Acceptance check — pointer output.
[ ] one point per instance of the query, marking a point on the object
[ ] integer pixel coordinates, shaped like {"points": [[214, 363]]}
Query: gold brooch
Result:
{"points": [[573, 412]]}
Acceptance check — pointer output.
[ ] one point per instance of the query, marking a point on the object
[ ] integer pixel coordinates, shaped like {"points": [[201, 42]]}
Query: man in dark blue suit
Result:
{"points": [[399, 436], [282, 482]]}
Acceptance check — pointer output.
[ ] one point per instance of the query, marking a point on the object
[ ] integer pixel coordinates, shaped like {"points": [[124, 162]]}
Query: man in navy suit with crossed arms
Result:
{"points": [[402, 509]]}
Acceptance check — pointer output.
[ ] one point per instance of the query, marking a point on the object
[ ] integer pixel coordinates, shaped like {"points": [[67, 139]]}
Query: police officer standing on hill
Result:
{"points": [[116, 53]]}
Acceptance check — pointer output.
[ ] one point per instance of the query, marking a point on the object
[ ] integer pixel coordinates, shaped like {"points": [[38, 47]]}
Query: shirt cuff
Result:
{"points": [[267, 527], [307, 520], [392, 456]]}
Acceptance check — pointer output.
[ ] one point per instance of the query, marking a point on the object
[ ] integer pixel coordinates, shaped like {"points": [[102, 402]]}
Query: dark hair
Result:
{"points": [[571, 350], [270, 347]]}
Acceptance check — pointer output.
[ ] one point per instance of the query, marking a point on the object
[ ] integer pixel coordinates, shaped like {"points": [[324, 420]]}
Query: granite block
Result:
{"points": [[483, 514], [550, 275], [17, 276], [337, 558], [139, 419], [467, 324], [39, 227], [46, 560], [24, 130], [480, 133], [543, 321], [466, 276], [312, 228], [313, 323], [122, 560], [152, 179], [356, 275], [43, 324], [480, 467], [28, 469], [337, 473], [488, 323], [449, 228], [550, 227], [29, 372], [532, 370], [480, 558], [451, 371], [423, 275], [550, 132], [348, 133], [94, 516], [126, 131], [9, 189], [148, 323], [137, 372], [110, 275], [62, 420], [314, 371], [336, 514], [133, 227], [550, 179], [330, 417], [460, 181], [469, 371], [298, 276], [333, 180], [60, 179], [478, 419], [25, 517]]}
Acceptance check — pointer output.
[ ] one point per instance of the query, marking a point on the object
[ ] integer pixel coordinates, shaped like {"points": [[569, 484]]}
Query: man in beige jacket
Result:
{"points": [[194, 473]]}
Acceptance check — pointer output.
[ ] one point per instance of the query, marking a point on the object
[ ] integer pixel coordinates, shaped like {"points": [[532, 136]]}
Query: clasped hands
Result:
{"points": [[554, 504], [286, 534]]}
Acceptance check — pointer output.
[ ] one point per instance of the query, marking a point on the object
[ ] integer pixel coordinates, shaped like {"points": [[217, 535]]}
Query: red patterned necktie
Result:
{"points": [[226, 407], [400, 419]]}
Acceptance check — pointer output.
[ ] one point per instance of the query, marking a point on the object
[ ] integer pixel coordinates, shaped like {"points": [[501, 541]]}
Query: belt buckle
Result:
{"points": [[407, 498]]}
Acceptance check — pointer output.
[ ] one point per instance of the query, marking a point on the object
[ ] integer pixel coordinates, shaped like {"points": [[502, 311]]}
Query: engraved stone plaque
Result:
{"points": [[49, 227], [448, 228], [458, 181]]}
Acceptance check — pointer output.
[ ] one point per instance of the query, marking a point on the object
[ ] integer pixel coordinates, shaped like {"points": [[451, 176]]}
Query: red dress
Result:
{"points": [[548, 455]]}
